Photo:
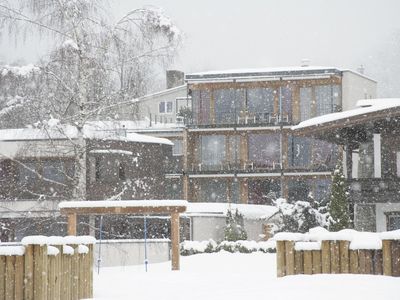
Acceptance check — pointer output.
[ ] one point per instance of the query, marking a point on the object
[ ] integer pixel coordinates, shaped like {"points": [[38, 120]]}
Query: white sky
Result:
{"points": [[222, 34]]}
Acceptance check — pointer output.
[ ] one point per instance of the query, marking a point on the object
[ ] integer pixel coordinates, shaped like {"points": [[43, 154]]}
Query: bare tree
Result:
{"points": [[94, 65]]}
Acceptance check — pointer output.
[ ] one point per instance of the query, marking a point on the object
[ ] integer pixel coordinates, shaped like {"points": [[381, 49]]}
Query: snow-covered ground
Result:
{"points": [[236, 276]]}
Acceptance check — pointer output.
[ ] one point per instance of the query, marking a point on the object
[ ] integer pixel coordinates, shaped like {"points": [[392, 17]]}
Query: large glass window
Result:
{"points": [[260, 101], [322, 190], [212, 151], [305, 103], [299, 152], [264, 191], [324, 154], [228, 104], [234, 149], [264, 150], [299, 190], [54, 170], [286, 98], [27, 172], [213, 191], [201, 106], [327, 99]]}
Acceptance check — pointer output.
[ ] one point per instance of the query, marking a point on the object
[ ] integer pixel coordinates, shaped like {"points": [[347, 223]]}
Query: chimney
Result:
{"points": [[305, 62], [175, 78]]}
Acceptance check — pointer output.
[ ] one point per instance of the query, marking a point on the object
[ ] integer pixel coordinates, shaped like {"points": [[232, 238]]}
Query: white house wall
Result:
{"points": [[356, 87], [28, 208], [26, 149], [150, 103], [212, 227]]}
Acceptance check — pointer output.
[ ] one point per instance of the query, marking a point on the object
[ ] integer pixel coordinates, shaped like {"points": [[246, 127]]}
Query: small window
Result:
{"points": [[169, 107], [165, 107], [161, 107], [393, 221], [177, 149], [121, 171], [109, 170]]}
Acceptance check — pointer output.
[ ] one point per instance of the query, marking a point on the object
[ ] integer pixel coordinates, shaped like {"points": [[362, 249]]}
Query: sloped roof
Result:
{"points": [[93, 130], [368, 111]]}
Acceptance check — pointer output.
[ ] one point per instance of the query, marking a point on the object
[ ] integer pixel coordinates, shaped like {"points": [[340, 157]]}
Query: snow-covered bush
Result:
{"points": [[195, 247], [300, 216], [234, 229]]}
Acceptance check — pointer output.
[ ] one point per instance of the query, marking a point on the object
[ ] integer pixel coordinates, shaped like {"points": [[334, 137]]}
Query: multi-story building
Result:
{"points": [[238, 146], [37, 171]]}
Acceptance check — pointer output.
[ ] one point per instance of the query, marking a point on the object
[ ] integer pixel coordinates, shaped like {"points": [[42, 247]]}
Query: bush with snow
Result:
{"points": [[234, 229], [300, 216], [241, 246]]}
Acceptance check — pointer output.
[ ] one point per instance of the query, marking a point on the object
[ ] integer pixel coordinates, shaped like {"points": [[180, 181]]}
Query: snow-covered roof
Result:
{"points": [[295, 72], [93, 130], [161, 93], [264, 72], [249, 211], [365, 108]]}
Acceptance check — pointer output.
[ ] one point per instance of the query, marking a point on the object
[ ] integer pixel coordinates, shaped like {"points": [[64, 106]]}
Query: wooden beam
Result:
{"points": [[71, 223], [175, 241]]}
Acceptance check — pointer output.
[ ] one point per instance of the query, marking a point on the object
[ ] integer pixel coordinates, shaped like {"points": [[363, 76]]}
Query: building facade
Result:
{"points": [[239, 147], [37, 171], [370, 137]]}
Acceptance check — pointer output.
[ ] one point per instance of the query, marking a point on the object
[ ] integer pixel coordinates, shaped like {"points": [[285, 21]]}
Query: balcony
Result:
{"points": [[241, 119], [235, 168]]}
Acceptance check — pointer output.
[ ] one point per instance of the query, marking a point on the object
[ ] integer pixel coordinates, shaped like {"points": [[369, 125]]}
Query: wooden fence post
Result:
{"points": [[90, 263], [395, 258], [326, 257], [10, 277], [289, 257], [344, 256], [308, 263], [298, 262], [66, 262], [40, 262], [387, 257], [280, 258], [28, 273], [354, 262], [2, 277], [19, 277], [335, 257], [75, 273], [316, 263], [378, 262], [175, 241]]}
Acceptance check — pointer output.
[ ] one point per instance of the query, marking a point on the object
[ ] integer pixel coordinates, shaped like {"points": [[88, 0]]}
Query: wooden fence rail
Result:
{"points": [[338, 253], [47, 268]]}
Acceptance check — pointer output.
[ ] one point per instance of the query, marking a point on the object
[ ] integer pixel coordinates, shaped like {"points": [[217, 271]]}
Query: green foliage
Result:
{"points": [[301, 216], [339, 203], [234, 229]]}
